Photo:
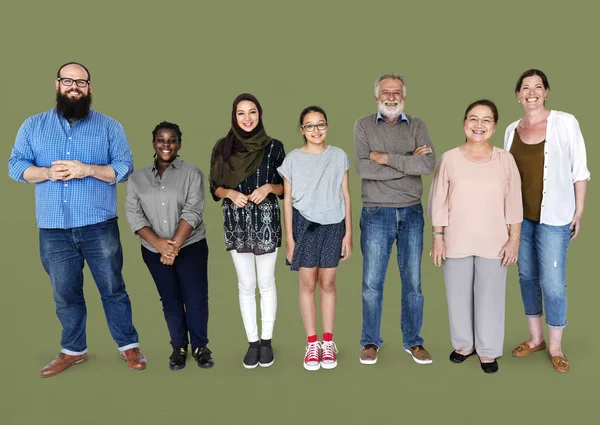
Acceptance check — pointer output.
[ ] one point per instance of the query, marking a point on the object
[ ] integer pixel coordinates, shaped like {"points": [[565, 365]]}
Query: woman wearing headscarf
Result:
{"points": [[243, 174]]}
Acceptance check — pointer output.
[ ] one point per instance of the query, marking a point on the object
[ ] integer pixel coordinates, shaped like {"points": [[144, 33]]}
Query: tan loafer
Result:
{"points": [[524, 349], [560, 363]]}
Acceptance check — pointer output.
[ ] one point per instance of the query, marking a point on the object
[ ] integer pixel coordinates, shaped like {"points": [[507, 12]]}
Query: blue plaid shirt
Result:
{"points": [[97, 140]]}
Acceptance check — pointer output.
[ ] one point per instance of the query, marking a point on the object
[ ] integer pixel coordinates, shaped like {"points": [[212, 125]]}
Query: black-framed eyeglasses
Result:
{"points": [[310, 127], [68, 82]]}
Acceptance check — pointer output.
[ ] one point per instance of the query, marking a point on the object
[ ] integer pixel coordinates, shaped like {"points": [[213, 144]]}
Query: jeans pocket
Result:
{"points": [[417, 208], [370, 210]]}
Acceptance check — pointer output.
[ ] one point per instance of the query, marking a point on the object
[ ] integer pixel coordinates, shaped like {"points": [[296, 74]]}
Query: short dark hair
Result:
{"points": [[89, 76], [483, 102], [531, 73], [169, 126]]}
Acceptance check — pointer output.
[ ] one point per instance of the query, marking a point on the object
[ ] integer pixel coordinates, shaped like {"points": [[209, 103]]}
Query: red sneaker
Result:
{"points": [[312, 359], [329, 358]]}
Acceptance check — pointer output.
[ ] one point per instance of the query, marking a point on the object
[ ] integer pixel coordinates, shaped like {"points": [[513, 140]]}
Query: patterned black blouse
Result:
{"points": [[256, 228]]}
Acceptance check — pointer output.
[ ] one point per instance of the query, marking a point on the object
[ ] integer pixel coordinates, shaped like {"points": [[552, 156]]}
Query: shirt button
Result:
{"points": [[68, 153], [162, 187], [69, 138], [162, 203], [65, 185], [165, 221], [65, 200]]}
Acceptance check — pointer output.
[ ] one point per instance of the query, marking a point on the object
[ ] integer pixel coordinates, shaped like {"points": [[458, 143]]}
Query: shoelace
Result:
{"points": [[312, 351], [329, 350]]}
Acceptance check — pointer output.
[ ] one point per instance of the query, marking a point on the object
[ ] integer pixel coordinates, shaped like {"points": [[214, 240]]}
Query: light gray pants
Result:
{"points": [[476, 288]]}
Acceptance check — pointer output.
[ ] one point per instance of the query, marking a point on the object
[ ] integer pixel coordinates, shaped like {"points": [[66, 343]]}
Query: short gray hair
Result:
{"points": [[393, 76]]}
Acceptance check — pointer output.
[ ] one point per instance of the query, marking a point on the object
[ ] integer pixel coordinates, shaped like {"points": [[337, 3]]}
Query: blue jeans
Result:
{"points": [[63, 252], [542, 271], [380, 228]]}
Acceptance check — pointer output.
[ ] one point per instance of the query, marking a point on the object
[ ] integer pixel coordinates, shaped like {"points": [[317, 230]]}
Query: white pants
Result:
{"points": [[247, 277]]}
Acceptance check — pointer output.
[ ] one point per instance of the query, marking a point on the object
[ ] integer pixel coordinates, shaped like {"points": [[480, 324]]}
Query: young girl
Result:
{"points": [[318, 228]]}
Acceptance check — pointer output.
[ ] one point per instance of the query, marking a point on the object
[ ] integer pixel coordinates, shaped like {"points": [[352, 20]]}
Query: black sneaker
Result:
{"points": [[265, 356], [252, 355], [203, 357], [178, 358]]}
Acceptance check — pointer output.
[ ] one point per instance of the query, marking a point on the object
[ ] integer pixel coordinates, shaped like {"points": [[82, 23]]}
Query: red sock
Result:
{"points": [[312, 338], [327, 336]]}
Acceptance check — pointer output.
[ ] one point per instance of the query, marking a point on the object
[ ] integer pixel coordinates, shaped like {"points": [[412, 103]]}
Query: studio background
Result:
{"points": [[185, 63]]}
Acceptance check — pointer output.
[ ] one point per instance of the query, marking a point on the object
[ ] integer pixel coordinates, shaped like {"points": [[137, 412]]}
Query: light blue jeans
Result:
{"points": [[380, 228], [542, 271]]}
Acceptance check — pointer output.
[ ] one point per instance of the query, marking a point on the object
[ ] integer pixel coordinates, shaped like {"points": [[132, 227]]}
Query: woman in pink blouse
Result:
{"points": [[476, 211]]}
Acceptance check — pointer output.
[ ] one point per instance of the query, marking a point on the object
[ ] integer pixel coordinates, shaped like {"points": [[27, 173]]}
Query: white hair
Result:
{"points": [[393, 76]]}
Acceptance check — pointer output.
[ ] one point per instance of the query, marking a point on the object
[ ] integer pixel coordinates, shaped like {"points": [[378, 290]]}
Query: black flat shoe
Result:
{"points": [[203, 357], [178, 358], [252, 357], [489, 367], [265, 353], [459, 358]]}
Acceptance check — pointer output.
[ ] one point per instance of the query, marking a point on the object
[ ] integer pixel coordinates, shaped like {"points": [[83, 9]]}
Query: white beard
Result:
{"points": [[391, 112]]}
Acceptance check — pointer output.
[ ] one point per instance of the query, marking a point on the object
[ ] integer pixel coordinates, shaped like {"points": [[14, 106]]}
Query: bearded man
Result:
{"points": [[75, 155], [392, 152]]}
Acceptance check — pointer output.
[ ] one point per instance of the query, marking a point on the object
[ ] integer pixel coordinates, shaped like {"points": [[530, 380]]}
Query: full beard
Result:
{"points": [[391, 112], [73, 109]]}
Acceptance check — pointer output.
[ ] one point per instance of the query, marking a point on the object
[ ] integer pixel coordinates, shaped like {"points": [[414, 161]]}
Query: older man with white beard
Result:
{"points": [[392, 152]]}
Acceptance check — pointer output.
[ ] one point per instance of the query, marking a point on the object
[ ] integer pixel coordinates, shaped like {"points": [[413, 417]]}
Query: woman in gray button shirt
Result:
{"points": [[165, 203]]}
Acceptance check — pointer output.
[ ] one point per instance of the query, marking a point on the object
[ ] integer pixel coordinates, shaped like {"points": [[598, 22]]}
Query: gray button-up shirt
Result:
{"points": [[160, 203]]}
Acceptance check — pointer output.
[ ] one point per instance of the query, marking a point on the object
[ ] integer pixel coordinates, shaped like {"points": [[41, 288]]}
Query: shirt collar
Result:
{"points": [[175, 164], [402, 117]]}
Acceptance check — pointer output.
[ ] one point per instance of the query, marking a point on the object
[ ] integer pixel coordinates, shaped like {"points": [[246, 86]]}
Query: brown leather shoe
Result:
{"points": [[368, 355], [60, 363], [419, 354], [134, 358], [560, 363], [524, 349]]}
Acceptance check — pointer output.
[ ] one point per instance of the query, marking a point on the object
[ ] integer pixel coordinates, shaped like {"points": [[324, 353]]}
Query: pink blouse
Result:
{"points": [[475, 203]]}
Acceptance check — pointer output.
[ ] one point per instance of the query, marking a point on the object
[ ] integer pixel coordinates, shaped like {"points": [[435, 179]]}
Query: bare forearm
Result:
{"points": [[147, 234], [222, 193], [35, 174], [106, 173], [277, 189], [184, 229], [580, 193]]}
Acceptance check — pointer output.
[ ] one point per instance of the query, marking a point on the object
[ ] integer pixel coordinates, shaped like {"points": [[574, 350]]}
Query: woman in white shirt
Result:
{"points": [[550, 154]]}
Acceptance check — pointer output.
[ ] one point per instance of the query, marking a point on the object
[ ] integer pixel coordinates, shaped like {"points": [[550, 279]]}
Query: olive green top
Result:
{"points": [[530, 161]]}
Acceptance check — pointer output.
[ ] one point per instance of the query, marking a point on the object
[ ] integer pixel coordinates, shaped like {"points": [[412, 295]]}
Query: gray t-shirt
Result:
{"points": [[317, 183]]}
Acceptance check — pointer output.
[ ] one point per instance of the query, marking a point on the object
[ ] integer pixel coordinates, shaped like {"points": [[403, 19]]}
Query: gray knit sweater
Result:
{"points": [[397, 184]]}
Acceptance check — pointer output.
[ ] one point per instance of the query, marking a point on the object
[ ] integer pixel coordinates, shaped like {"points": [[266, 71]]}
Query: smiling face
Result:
{"points": [[247, 115], [532, 93], [313, 120], [390, 98], [166, 145], [479, 126], [74, 72]]}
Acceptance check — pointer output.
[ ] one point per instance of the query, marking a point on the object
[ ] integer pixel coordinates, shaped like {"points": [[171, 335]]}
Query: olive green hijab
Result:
{"points": [[239, 154]]}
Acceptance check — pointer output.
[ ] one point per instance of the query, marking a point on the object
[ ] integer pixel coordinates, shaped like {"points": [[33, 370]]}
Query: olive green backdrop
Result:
{"points": [[186, 62]]}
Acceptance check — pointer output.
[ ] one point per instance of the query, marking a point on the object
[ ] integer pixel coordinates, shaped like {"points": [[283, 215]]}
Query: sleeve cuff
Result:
{"points": [[17, 170]]}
